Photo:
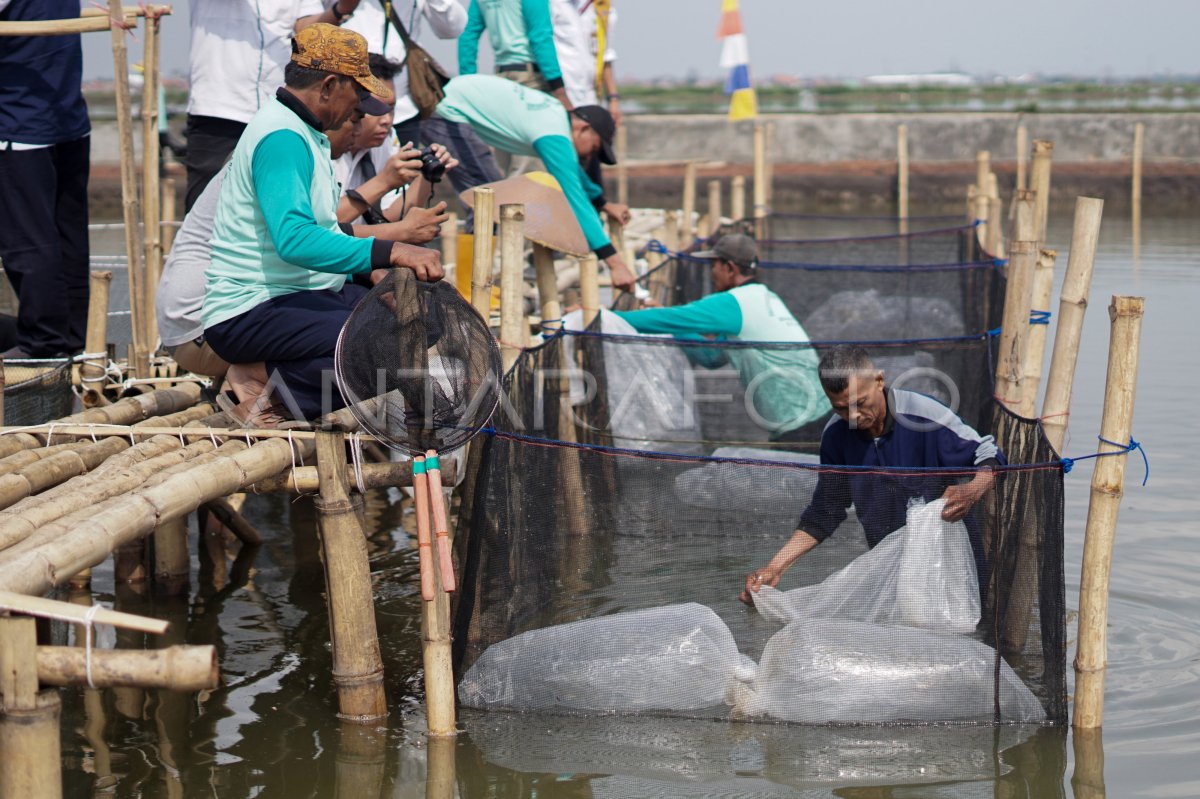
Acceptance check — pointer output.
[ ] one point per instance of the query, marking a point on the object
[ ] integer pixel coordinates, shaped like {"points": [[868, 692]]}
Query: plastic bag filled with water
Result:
{"points": [[823, 671], [922, 575], [672, 658], [738, 488]]}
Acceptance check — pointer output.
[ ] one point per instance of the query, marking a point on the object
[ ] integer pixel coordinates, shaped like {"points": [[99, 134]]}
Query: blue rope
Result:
{"points": [[876, 237], [854, 218], [1123, 449], [813, 267], [656, 341], [1039, 317]]}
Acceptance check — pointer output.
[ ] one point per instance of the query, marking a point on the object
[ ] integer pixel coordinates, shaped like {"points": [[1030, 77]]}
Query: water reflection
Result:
{"points": [[514, 755]]}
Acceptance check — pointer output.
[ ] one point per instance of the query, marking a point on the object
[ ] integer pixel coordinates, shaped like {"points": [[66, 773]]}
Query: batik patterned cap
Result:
{"points": [[342, 52]]}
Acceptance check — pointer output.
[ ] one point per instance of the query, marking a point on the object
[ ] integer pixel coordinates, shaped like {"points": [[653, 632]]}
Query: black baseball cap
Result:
{"points": [[602, 122], [735, 248], [370, 105]]}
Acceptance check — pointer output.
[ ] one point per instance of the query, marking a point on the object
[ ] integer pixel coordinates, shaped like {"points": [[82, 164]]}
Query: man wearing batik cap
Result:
{"points": [[524, 121], [783, 389], [278, 288]]}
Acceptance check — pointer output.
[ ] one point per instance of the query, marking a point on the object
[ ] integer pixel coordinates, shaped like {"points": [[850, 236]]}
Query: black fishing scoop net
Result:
{"points": [[417, 365]]}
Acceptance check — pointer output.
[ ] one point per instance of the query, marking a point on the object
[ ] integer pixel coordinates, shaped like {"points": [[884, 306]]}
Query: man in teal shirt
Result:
{"points": [[783, 389], [522, 38], [522, 121], [276, 289]]}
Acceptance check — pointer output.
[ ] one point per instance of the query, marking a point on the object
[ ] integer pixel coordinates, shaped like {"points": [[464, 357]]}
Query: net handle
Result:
{"points": [[441, 523], [424, 539]]}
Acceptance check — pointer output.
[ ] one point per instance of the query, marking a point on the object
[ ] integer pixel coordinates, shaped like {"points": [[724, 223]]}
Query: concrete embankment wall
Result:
{"points": [[847, 161]]}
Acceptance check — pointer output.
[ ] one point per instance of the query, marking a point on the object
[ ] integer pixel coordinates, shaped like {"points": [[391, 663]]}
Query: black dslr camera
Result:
{"points": [[432, 168]]}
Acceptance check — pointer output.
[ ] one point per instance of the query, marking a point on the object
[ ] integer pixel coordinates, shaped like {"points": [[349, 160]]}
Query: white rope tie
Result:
{"points": [[292, 449], [356, 457], [50, 434], [213, 436], [92, 430], [88, 621]]}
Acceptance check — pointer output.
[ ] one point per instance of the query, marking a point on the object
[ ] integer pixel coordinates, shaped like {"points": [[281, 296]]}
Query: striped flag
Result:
{"points": [[735, 57]]}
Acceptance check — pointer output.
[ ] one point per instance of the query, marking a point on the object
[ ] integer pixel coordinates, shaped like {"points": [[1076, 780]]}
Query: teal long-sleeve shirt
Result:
{"points": [[715, 315], [520, 31], [283, 171]]}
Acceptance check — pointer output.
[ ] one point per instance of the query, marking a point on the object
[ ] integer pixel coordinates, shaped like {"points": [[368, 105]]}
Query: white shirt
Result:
{"points": [[575, 42], [239, 50], [348, 170], [446, 19]]}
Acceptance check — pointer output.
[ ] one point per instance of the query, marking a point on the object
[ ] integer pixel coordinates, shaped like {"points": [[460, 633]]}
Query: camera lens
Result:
{"points": [[431, 166]]}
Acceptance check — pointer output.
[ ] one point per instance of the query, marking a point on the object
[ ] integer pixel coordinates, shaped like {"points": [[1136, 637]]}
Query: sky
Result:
{"points": [[852, 38]]}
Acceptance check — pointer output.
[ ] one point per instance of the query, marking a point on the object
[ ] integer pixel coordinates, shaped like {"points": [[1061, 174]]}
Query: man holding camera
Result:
{"points": [[277, 289]]}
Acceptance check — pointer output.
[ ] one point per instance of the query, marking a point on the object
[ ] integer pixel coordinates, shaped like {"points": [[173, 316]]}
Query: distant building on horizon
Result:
{"points": [[946, 79]]}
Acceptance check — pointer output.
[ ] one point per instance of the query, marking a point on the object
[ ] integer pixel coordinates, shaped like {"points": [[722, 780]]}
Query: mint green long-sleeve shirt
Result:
{"points": [[520, 32]]}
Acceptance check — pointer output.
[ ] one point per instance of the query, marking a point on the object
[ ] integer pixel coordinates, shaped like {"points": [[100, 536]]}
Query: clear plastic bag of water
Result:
{"points": [[672, 658], [922, 575]]}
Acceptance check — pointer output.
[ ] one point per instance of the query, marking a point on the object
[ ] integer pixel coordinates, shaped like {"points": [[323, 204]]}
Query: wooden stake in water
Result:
{"points": [[1072, 306], [1043, 150], [983, 165], [1015, 326], [623, 165], [424, 527], [513, 328], [151, 191], [481, 264], [687, 230], [1139, 135], [902, 177], [1022, 148], [441, 524], [760, 181], [435, 610], [1108, 486], [589, 288], [547, 285], [129, 196], [1035, 344], [714, 206], [29, 719], [737, 198]]}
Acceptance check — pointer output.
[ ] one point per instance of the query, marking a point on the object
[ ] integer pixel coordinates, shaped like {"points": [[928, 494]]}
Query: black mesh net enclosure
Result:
{"points": [[37, 391], [604, 579], [680, 395], [941, 245], [875, 300], [417, 365]]}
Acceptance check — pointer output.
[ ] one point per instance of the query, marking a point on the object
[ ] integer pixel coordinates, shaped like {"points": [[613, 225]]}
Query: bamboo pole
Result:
{"points": [[902, 176], [177, 668], [714, 206], [1072, 305], [1022, 148], [687, 230], [435, 621], [58, 468], [86, 23], [357, 664], [92, 375], [1039, 178], [737, 198], [303, 479], [547, 285], [983, 207], [513, 327], [769, 158], [623, 165], [983, 166], [589, 288], [1035, 344], [168, 214], [1015, 325], [760, 182], [1139, 136], [441, 526], [140, 365], [151, 190], [481, 264], [1108, 482], [172, 564], [29, 719], [236, 523], [995, 239], [72, 613]]}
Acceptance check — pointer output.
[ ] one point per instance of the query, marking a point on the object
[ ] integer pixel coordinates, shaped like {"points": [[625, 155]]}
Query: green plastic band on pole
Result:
{"points": [[419, 466], [432, 462]]}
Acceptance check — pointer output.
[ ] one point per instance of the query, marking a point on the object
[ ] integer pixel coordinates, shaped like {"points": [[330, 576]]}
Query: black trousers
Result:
{"points": [[44, 243], [210, 140]]}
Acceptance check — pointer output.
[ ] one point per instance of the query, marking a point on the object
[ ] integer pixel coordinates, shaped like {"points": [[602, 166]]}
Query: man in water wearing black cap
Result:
{"points": [[523, 121], [783, 389]]}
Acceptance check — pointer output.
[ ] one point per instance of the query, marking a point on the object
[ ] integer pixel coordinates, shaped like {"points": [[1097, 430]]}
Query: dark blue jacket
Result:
{"points": [[919, 432], [41, 97]]}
